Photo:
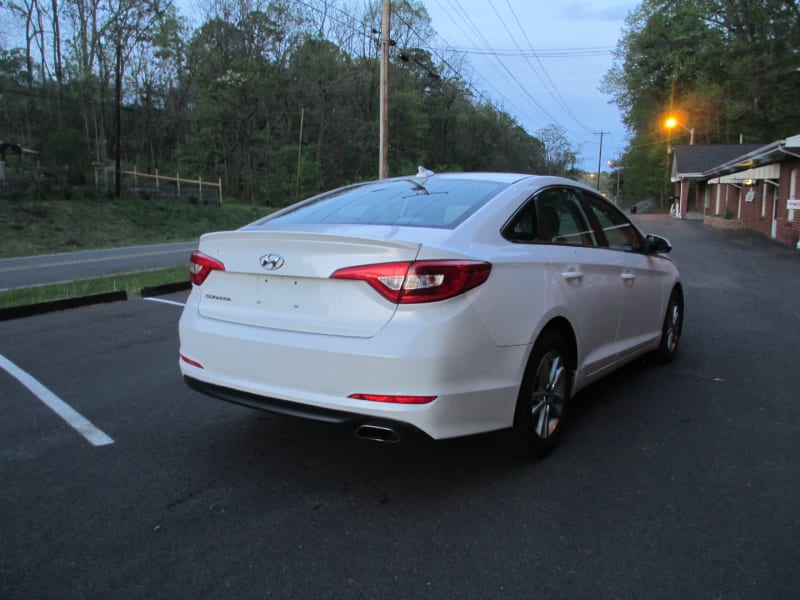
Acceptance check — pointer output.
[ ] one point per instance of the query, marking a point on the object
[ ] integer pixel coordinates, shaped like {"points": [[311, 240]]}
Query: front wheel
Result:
{"points": [[543, 397], [671, 329]]}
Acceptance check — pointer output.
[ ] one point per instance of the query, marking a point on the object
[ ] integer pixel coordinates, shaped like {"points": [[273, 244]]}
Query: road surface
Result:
{"points": [[30, 271]]}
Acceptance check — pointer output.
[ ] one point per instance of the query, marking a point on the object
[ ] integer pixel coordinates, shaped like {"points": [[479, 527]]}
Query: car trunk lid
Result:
{"points": [[281, 280]]}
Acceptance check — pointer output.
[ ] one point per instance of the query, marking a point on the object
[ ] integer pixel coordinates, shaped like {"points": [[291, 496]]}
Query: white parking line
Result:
{"points": [[164, 301], [74, 419]]}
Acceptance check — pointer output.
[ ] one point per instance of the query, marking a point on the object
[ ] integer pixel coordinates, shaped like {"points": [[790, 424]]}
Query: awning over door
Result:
{"points": [[772, 171]]}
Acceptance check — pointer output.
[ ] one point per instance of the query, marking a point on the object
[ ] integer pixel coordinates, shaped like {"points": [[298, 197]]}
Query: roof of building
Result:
{"points": [[696, 160]]}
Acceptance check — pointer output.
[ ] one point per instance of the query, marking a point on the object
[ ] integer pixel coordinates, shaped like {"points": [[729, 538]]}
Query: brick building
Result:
{"points": [[753, 186]]}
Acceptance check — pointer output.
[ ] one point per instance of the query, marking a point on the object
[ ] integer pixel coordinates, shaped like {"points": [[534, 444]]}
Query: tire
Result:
{"points": [[543, 397], [672, 328]]}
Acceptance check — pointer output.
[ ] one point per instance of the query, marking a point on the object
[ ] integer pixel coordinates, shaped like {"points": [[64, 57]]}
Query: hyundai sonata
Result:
{"points": [[452, 304]]}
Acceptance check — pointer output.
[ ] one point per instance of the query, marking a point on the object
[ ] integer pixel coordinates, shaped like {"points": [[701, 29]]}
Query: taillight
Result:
{"points": [[201, 265], [420, 281]]}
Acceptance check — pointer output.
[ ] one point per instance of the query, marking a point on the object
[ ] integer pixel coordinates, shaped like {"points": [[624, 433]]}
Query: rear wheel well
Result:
{"points": [[679, 289], [562, 327]]}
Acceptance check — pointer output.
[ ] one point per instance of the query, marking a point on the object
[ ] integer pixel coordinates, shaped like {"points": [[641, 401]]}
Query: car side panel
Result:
{"points": [[648, 283], [518, 294], [590, 279], [531, 284]]}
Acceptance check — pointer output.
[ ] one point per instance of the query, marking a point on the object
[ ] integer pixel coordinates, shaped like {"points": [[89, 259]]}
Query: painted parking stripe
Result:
{"points": [[74, 419], [165, 301]]}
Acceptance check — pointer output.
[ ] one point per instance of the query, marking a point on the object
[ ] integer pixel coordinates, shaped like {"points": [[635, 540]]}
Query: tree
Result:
{"points": [[728, 67], [226, 99], [559, 155], [154, 72], [14, 98]]}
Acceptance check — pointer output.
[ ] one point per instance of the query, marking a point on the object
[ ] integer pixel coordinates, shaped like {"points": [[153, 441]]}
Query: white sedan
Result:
{"points": [[453, 304]]}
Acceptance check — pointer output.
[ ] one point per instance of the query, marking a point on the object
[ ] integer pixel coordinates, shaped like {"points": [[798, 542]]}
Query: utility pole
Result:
{"points": [[600, 155], [118, 117], [383, 150], [299, 154]]}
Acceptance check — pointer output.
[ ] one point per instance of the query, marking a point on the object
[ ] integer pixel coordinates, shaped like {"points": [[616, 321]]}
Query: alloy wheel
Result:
{"points": [[673, 329], [549, 395]]}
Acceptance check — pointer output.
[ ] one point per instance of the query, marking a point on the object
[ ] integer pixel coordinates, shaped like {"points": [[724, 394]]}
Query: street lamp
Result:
{"points": [[672, 122]]}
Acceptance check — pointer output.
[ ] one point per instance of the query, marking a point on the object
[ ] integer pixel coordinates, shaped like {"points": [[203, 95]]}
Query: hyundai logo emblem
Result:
{"points": [[271, 262]]}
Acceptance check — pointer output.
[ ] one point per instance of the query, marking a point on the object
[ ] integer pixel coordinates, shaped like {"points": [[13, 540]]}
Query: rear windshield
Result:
{"points": [[440, 203]]}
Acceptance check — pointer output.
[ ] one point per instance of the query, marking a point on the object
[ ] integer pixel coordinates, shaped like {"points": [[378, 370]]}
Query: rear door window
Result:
{"points": [[554, 216], [619, 232], [562, 218]]}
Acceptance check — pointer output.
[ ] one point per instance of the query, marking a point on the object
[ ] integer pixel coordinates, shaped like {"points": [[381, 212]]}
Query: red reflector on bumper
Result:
{"points": [[394, 399], [189, 361]]}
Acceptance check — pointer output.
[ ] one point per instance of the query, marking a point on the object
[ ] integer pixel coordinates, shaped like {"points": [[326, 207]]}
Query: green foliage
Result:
{"points": [[65, 153], [278, 99], [559, 157]]}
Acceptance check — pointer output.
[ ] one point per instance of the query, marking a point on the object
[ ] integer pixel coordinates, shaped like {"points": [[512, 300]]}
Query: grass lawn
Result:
{"points": [[29, 227]]}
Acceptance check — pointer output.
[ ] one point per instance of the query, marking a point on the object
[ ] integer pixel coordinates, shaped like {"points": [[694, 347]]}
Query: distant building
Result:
{"points": [[752, 186]]}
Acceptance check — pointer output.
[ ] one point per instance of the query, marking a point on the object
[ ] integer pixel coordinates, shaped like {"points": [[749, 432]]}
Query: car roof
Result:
{"points": [[507, 178]]}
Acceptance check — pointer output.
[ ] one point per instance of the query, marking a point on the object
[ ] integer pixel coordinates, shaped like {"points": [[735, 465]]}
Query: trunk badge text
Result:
{"points": [[271, 262]]}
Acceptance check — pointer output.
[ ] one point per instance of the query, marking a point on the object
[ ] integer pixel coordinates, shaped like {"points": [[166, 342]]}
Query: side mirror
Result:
{"points": [[655, 244]]}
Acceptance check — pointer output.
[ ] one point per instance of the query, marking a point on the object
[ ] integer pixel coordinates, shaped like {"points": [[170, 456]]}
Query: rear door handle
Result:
{"points": [[572, 275]]}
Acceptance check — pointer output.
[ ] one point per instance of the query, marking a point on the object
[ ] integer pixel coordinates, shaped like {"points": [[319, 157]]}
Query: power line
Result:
{"points": [[504, 70], [552, 87], [548, 53], [527, 59]]}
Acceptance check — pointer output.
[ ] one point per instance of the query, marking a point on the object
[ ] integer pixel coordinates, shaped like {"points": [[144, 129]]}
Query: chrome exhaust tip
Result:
{"points": [[377, 433]]}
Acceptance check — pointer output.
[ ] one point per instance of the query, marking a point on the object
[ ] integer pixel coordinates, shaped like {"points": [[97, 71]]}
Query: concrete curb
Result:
{"points": [[18, 312], [167, 288]]}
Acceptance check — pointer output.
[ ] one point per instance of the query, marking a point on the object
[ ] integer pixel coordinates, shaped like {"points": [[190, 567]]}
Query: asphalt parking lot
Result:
{"points": [[671, 481]]}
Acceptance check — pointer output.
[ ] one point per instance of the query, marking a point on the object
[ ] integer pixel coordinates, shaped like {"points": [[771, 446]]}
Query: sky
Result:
{"points": [[543, 61]]}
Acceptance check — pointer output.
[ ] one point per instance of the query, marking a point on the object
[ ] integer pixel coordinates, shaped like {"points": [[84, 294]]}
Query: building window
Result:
{"points": [[792, 191], [764, 200]]}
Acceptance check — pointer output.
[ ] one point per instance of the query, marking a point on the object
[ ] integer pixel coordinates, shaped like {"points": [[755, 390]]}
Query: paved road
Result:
{"points": [[677, 481], [69, 266]]}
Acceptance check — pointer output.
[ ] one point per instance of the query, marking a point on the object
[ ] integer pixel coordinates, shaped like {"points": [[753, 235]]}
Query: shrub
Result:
{"points": [[65, 152]]}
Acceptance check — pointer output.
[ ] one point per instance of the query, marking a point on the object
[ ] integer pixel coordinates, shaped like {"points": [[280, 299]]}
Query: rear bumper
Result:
{"points": [[446, 355], [294, 409], [274, 405]]}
